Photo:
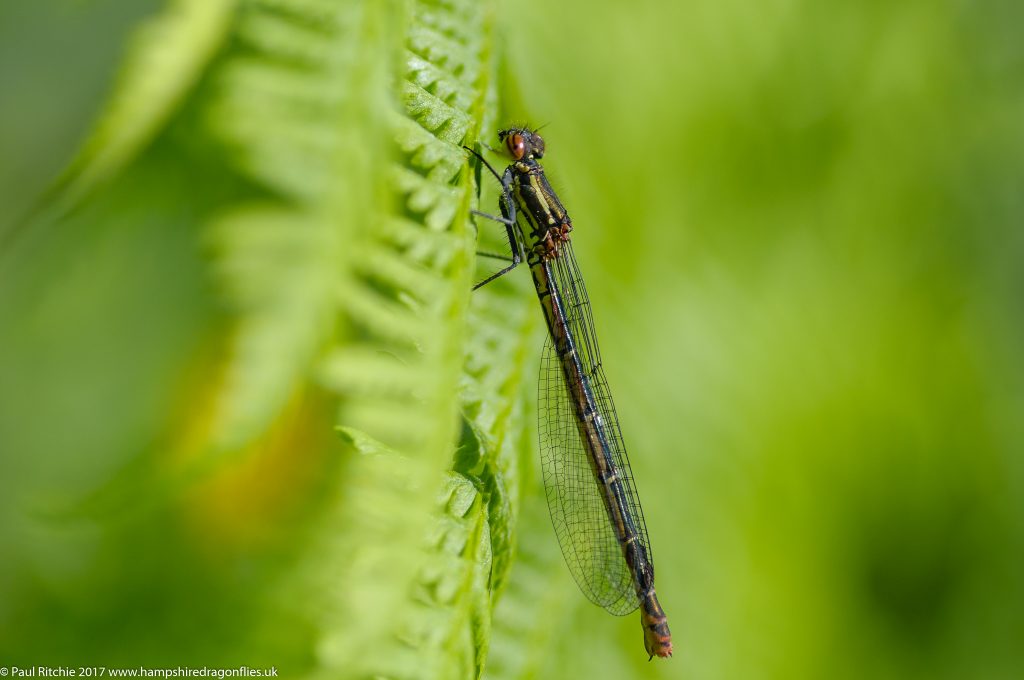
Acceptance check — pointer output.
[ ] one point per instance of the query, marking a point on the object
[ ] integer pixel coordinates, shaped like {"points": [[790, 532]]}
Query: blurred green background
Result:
{"points": [[229, 227]]}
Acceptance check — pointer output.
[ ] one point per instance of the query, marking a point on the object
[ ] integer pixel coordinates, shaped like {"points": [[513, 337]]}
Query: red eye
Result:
{"points": [[516, 146]]}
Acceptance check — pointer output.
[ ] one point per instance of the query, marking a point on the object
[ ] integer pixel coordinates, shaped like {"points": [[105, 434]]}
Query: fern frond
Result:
{"points": [[164, 61], [341, 248], [530, 619]]}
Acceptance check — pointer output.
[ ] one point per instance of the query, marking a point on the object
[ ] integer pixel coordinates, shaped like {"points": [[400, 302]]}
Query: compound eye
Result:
{"points": [[516, 145]]}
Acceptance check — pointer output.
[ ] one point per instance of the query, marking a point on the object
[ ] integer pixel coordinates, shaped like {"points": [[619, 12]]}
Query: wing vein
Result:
{"points": [[576, 498]]}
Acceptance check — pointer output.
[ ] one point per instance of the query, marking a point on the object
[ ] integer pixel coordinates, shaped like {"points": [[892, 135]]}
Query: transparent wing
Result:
{"points": [[575, 497], [575, 500]]}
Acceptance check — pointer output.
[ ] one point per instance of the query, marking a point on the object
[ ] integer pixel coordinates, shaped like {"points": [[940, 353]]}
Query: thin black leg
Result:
{"points": [[495, 256], [517, 257], [484, 161], [504, 220], [508, 218]]}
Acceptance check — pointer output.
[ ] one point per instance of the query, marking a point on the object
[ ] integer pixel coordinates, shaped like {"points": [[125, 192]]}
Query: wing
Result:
{"points": [[575, 498]]}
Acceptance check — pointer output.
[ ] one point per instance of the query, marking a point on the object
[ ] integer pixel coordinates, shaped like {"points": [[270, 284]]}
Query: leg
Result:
{"points": [[508, 218], [517, 257], [495, 256], [484, 161], [504, 220], [513, 242]]}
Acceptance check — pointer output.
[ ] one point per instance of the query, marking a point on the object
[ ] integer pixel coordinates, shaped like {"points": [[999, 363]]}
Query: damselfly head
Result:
{"points": [[522, 143]]}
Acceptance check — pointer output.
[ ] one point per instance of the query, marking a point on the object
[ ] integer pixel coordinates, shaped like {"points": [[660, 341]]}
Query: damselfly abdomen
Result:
{"points": [[587, 478]]}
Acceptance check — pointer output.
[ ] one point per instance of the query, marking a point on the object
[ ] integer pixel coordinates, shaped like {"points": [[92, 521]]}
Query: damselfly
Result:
{"points": [[587, 478]]}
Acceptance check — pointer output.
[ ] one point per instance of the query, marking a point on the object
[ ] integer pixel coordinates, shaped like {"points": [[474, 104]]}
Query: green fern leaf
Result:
{"points": [[333, 218], [165, 60]]}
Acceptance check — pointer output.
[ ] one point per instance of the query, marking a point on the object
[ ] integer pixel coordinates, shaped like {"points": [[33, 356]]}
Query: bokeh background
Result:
{"points": [[801, 227]]}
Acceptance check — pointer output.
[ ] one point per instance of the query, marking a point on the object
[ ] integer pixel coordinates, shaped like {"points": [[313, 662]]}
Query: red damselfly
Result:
{"points": [[587, 478]]}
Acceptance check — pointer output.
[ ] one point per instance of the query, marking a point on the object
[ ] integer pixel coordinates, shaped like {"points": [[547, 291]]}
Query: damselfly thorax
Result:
{"points": [[548, 222]]}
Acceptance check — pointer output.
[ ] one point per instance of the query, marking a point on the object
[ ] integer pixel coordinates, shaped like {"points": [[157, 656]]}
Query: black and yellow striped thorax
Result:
{"points": [[548, 224]]}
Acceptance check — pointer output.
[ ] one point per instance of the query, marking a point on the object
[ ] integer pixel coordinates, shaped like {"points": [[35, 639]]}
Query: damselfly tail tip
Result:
{"points": [[664, 650], [658, 640]]}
